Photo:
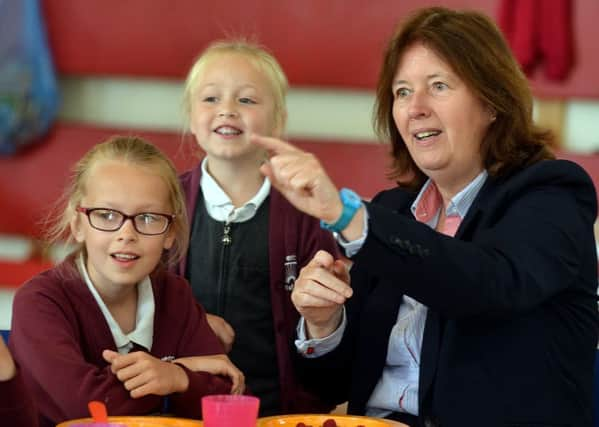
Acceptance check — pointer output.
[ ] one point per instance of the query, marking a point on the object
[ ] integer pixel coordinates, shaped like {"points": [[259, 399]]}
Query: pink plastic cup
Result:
{"points": [[226, 410]]}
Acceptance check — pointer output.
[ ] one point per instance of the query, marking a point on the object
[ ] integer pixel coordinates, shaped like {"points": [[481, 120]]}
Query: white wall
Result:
{"points": [[313, 112]]}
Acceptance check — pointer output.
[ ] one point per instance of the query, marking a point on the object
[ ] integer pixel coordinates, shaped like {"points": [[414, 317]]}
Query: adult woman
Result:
{"points": [[488, 241]]}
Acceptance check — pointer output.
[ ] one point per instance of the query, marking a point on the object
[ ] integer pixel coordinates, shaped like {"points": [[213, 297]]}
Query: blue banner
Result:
{"points": [[29, 94]]}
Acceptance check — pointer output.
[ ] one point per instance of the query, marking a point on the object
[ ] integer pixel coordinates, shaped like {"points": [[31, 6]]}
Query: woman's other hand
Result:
{"points": [[218, 364], [223, 330], [320, 292]]}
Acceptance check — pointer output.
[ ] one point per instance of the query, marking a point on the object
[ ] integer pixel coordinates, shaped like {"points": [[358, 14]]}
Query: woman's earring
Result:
{"points": [[492, 113]]}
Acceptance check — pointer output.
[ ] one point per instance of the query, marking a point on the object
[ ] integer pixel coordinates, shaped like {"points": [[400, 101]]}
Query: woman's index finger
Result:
{"points": [[273, 145]]}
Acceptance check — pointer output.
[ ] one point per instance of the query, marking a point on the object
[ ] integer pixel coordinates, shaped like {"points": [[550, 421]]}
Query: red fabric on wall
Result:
{"points": [[517, 21], [555, 38], [539, 32]]}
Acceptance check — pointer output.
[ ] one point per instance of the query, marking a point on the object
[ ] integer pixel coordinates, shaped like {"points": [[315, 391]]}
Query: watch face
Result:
{"points": [[350, 198]]}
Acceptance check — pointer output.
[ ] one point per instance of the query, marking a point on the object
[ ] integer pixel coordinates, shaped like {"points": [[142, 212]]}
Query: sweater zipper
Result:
{"points": [[227, 235], [221, 295]]}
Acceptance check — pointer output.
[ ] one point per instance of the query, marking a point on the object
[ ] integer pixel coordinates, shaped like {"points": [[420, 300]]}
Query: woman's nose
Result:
{"points": [[418, 106]]}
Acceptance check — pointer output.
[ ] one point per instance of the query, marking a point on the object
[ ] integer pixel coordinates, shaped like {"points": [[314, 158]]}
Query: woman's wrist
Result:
{"points": [[335, 212], [355, 228], [316, 331]]}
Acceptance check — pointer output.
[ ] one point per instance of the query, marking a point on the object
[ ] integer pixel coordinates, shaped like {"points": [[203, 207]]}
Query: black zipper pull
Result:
{"points": [[226, 235]]}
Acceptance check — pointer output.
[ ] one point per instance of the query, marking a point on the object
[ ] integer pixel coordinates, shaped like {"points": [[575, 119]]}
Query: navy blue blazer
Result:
{"points": [[512, 325]]}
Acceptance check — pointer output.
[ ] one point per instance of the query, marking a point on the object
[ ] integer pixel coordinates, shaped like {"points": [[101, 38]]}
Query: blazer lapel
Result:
{"points": [[477, 208]]}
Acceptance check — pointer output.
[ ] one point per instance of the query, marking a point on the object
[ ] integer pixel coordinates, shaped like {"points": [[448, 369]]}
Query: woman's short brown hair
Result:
{"points": [[472, 45]]}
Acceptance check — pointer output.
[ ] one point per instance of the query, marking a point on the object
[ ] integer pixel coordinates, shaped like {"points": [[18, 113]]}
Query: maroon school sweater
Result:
{"points": [[58, 334], [290, 232], [16, 405]]}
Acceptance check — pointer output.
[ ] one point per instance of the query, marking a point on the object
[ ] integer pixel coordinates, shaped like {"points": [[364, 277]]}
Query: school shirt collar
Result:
{"points": [[143, 334], [219, 205], [426, 207]]}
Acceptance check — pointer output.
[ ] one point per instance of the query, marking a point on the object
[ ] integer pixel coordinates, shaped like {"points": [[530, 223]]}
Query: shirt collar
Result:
{"points": [[428, 202], [143, 334], [219, 204]]}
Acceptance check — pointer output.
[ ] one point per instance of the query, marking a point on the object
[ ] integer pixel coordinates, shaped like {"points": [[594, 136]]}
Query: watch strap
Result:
{"points": [[351, 203]]}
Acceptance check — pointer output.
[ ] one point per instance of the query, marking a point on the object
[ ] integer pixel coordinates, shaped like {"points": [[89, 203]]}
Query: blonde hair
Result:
{"points": [[136, 151], [259, 56]]}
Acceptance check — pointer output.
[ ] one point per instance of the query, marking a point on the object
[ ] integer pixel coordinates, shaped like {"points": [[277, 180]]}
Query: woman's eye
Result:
{"points": [[246, 100], [209, 99], [402, 93], [440, 86]]}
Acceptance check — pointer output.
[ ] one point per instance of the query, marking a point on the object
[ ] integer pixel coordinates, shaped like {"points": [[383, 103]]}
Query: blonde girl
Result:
{"points": [[247, 242]]}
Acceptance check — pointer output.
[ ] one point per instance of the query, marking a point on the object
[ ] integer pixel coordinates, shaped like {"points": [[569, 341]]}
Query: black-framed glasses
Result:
{"points": [[147, 223]]}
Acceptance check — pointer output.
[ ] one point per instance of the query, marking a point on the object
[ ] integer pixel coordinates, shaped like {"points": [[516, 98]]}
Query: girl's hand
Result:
{"points": [[7, 364], [320, 292], [143, 374], [218, 364], [223, 330], [300, 177]]}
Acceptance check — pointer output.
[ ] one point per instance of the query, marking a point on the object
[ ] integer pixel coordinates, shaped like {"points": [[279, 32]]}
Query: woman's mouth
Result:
{"points": [[424, 135]]}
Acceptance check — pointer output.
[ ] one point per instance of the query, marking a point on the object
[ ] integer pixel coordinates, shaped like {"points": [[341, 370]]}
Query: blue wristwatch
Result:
{"points": [[351, 203]]}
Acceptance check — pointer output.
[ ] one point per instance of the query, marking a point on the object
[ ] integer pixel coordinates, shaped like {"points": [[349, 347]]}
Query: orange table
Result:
{"points": [[283, 420]]}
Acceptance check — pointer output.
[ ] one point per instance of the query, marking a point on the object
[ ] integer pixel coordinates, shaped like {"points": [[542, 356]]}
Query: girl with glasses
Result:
{"points": [[107, 322]]}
